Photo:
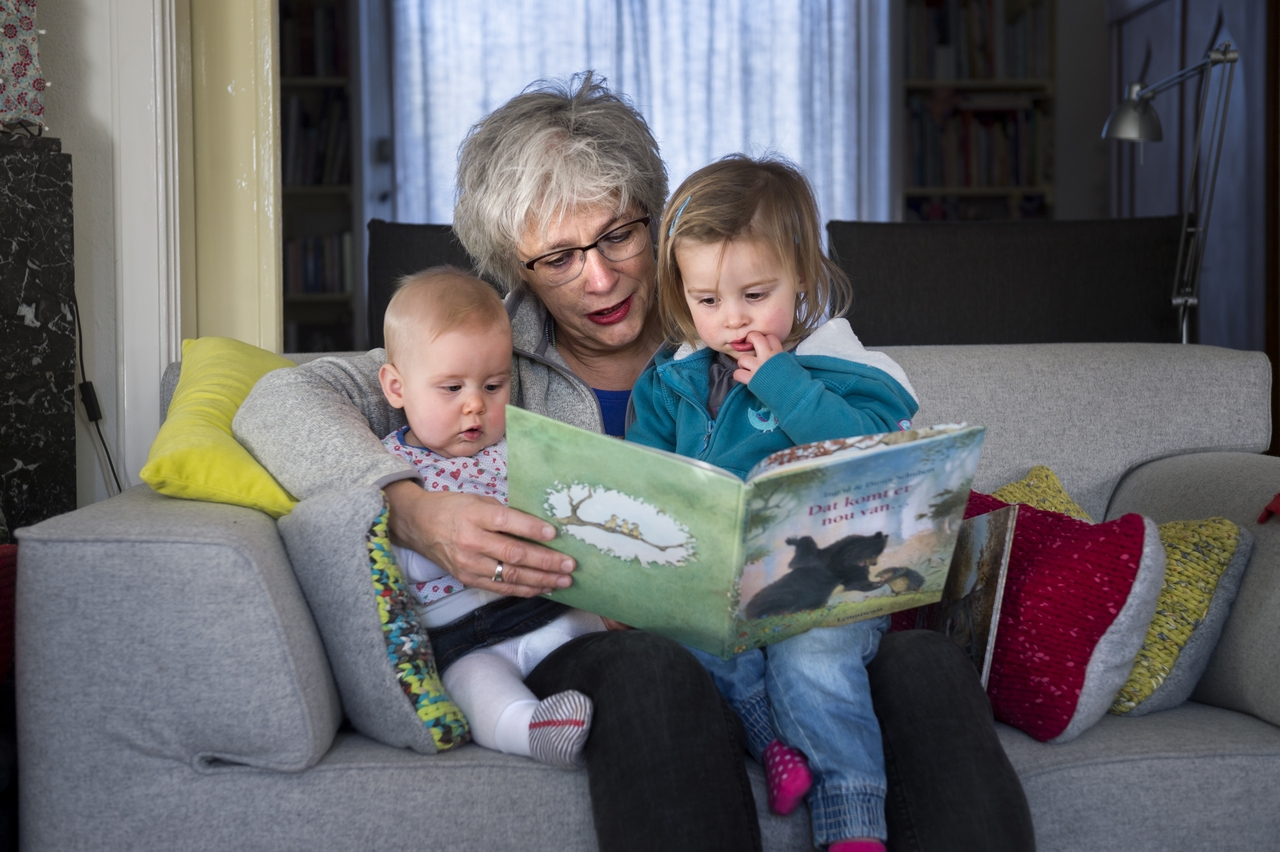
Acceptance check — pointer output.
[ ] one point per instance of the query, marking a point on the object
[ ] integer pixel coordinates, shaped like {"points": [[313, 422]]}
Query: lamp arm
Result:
{"points": [[1174, 79], [1186, 285]]}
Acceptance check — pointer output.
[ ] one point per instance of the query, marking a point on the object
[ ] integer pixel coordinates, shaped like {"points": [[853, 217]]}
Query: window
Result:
{"points": [[808, 80]]}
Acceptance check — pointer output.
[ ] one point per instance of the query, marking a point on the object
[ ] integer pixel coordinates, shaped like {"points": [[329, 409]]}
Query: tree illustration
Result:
{"points": [[619, 524]]}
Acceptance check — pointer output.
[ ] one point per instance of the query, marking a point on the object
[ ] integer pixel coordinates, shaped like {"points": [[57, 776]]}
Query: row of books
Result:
{"points": [[313, 39], [977, 39], [316, 143], [978, 141], [323, 264]]}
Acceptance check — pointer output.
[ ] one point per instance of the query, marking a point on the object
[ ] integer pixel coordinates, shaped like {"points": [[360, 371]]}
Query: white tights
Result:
{"points": [[488, 684]]}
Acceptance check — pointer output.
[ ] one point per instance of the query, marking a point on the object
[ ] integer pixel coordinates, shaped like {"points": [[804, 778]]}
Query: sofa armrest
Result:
{"points": [[169, 627], [1244, 672]]}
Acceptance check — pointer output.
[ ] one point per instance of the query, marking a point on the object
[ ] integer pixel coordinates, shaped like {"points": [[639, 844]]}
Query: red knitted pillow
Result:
{"points": [[1077, 602]]}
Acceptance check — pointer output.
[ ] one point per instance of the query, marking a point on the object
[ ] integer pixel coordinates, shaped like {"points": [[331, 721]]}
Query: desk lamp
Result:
{"points": [[1135, 120]]}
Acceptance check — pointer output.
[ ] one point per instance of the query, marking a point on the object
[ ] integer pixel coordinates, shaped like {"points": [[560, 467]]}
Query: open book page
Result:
{"points": [[657, 537], [969, 610], [845, 530]]}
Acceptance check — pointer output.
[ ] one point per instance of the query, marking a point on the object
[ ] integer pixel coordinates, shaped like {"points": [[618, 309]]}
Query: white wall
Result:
{"points": [[76, 56], [111, 65]]}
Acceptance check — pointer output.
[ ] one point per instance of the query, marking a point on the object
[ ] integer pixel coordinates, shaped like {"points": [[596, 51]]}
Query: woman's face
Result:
{"points": [[604, 308]]}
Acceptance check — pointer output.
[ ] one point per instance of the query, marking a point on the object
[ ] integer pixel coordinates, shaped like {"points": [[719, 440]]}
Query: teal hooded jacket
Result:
{"points": [[829, 387]]}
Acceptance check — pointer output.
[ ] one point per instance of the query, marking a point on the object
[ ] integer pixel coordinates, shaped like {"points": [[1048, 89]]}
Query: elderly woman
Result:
{"points": [[558, 194]]}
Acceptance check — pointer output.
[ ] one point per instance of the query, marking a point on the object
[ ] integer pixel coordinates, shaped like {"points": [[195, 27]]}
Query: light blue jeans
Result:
{"points": [[811, 692]]}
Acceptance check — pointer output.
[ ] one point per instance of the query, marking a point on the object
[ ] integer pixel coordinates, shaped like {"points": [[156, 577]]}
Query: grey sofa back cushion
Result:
{"points": [[1092, 411], [192, 606]]}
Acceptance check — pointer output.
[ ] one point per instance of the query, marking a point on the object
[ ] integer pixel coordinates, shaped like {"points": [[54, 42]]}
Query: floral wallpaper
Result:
{"points": [[21, 84]]}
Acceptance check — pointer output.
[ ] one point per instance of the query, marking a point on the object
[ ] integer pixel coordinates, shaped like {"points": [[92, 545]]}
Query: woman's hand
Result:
{"points": [[468, 536], [766, 346]]}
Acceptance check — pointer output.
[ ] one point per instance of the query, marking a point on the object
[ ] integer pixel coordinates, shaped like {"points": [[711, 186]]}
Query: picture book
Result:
{"points": [[819, 534], [969, 609]]}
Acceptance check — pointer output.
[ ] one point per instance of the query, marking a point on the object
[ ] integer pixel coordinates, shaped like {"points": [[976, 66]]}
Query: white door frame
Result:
{"points": [[144, 103]]}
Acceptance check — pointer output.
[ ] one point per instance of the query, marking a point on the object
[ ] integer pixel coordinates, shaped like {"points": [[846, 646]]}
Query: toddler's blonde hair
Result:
{"points": [[767, 201]]}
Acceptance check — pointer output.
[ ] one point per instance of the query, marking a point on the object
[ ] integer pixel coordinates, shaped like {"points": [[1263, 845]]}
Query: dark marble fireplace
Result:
{"points": [[37, 331]]}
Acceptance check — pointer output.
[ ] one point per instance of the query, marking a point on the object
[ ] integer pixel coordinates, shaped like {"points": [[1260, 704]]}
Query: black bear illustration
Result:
{"points": [[817, 571], [901, 580]]}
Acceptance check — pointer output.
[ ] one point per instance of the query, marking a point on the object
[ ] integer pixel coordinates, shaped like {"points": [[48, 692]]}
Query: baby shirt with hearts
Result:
{"points": [[485, 474]]}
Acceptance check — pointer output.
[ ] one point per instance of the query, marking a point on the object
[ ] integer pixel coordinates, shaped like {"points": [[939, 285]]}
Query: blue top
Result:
{"points": [[613, 406], [829, 388]]}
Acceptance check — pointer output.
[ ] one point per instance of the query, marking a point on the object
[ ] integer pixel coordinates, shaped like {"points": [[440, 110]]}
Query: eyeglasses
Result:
{"points": [[563, 265]]}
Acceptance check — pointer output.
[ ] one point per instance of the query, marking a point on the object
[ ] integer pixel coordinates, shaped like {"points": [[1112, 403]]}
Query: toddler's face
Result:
{"points": [[735, 288], [454, 390]]}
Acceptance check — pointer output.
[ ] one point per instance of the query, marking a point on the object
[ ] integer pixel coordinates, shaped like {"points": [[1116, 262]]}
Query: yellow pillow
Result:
{"points": [[1042, 489], [195, 456]]}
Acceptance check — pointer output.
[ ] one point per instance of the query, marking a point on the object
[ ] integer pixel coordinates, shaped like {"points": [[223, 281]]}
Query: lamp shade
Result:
{"points": [[1133, 118]]}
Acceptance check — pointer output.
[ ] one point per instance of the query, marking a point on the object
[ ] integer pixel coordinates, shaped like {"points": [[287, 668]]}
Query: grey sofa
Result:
{"points": [[173, 691]]}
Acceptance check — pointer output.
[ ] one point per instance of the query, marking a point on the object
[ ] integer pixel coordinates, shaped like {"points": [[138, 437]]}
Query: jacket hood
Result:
{"points": [[832, 339]]}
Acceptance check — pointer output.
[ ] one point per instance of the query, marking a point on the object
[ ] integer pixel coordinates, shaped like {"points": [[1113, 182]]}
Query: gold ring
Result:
{"points": [[497, 573]]}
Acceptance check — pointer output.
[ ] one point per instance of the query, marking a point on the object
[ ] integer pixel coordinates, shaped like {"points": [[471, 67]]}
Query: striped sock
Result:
{"points": [[559, 729], [787, 774]]}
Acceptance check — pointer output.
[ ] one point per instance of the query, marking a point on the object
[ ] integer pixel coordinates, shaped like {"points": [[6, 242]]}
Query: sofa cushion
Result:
{"points": [[194, 455], [1204, 563], [1041, 488], [1092, 411], [379, 651], [177, 631], [1244, 670], [1078, 599], [1191, 778]]}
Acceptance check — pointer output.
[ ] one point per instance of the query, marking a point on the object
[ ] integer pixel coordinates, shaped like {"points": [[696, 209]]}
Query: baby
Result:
{"points": [[448, 366]]}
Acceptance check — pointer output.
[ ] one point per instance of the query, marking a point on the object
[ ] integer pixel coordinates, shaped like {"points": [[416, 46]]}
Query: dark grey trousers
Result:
{"points": [[951, 787]]}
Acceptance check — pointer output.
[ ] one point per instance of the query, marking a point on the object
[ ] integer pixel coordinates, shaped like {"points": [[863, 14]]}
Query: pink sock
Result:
{"points": [[856, 846], [787, 774]]}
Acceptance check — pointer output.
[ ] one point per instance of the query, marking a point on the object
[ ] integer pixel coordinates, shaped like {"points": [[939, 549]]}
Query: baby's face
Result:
{"points": [[455, 390]]}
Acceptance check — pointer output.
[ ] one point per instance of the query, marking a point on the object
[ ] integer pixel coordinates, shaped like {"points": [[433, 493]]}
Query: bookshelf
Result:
{"points": [[978, 93], [321, 214]]}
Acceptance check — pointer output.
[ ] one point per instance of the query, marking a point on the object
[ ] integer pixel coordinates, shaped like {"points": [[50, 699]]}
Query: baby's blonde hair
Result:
{"points": [[767, 201], [429, 303]]}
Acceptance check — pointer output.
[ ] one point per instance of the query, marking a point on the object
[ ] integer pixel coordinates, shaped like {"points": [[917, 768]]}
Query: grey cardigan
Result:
{"points": [[319, 426]]}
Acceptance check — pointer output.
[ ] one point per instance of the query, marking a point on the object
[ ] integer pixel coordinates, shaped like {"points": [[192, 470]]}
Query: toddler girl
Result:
{"points": [[743, 292], [449, 367]]}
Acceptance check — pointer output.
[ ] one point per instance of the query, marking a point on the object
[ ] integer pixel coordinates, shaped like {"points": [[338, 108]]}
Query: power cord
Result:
{"points": [[89, 398]]}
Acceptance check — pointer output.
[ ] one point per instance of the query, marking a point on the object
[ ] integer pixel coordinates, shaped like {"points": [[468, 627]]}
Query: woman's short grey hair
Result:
{"points": [[558, 146]]}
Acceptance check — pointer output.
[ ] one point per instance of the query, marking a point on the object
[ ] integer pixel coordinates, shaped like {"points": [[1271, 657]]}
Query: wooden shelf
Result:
{"points": [[977, 106], [322, 216]]}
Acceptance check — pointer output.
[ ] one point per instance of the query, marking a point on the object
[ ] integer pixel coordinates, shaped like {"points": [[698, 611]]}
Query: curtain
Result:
{"points": [[806, 79]]}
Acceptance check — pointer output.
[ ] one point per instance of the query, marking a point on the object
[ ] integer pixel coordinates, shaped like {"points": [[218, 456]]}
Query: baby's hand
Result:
{"points": [[766, 346]]}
